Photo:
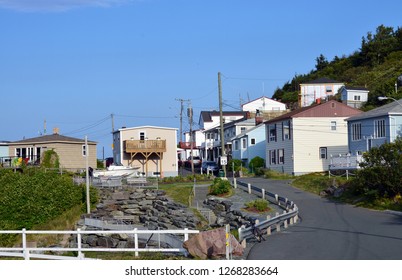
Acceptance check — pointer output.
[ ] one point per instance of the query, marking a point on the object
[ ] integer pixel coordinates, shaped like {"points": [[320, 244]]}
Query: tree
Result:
{"points": [[50, 159], [321, 62], [381, 171]]}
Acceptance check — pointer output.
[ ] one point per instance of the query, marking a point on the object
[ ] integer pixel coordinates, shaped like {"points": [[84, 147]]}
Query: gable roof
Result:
{"points": [[328, 109], [207, 115], [393, 108], [53, 138], [262, 98], [355, 88], [322, 81]]}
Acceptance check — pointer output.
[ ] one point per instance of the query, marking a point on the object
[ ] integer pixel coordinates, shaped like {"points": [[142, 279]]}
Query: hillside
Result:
{"points": [[376, 65]]}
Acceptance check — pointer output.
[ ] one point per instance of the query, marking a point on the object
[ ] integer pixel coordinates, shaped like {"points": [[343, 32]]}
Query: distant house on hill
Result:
{"points": [[354, 96], [318, 89], [71, 151]]}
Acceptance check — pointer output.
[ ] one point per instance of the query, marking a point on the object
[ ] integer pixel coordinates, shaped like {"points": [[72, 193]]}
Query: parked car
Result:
{"points": [[209, 166], [196, 160]]}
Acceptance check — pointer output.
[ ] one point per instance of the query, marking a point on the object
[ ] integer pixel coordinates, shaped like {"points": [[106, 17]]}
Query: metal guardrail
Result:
{"points": [[28, 252], [288, 217]]}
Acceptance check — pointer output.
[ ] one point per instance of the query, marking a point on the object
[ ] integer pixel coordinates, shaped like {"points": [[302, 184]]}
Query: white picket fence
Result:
{"points": [[28, 253]]}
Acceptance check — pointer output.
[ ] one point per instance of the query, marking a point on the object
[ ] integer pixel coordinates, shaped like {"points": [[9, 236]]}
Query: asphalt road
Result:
{"points": [[329, 230]]}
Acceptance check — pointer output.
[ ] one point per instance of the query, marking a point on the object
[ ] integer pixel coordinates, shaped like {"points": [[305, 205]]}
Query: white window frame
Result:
{"points": [[281, 156], [356, 129], [379, 128], [333, 125], [84, 150], [244, 143], [323, 152]]}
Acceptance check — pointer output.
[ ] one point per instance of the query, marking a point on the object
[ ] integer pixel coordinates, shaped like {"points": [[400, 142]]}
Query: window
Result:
{"points": [[244, 143], [236, 145], [379, 128], [281, 156], [242, 129], [84, 151], [272, 157], [356, 131], [272, 133], [142, 136], [323, 153], [356, 97], [252, 141], [328, 89], [286, 130], [333, 125]]}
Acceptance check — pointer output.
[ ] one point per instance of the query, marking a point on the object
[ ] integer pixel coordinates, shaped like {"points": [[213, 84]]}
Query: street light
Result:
{"points": [[381, 98]]}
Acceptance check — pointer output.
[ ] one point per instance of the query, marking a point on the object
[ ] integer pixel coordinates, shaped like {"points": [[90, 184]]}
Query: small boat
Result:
{"points": [[116, 171]]}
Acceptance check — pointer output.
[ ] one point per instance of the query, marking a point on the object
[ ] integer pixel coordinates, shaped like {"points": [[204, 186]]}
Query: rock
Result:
{"points": [[137, 196], [211, 244], [106, 242], [117, 213], [120, 196]]}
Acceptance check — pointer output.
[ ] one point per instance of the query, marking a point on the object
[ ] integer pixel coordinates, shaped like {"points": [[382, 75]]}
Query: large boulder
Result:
{"points": [[212, 244]]}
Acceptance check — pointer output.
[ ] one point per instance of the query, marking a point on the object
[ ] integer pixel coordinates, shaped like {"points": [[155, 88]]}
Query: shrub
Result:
{"points": [[237, 163], [220, 187], [258, 204], [257, 162], [50, 159]]}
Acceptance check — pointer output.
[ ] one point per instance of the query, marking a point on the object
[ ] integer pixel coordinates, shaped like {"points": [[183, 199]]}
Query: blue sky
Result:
{"points": [[76, 62]]}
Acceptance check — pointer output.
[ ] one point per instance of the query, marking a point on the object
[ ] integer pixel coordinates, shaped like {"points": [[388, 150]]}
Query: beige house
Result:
{"points": [[152, 149], [71, 151]]}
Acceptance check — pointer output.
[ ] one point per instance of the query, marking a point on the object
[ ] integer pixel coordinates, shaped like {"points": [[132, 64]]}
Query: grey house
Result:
{"points": [[375, 127]]}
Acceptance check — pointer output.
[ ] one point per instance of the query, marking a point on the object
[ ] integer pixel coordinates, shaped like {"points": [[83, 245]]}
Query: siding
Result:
{"points": [[309, 134]]}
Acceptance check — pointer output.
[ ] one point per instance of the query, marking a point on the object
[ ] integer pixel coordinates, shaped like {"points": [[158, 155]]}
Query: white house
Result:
{"points": [[320, 88], [263, 104], [249, 144], [152, 149], [354, 96], [303, 140]]}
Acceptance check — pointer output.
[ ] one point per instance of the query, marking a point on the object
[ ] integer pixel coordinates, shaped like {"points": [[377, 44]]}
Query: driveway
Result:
{"points": [[329, 230]]}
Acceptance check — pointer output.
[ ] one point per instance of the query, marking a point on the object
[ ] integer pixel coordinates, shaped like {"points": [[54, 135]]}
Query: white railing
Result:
{"points": [[289, 216], [27, 252]]}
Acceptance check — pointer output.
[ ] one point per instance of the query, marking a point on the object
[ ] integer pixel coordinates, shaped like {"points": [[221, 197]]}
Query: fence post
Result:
{"points": [[285, 222], [79, 244], [249, 188], [277, 198], [24, 245], [185, 234], [234, 183], [136, 242]]}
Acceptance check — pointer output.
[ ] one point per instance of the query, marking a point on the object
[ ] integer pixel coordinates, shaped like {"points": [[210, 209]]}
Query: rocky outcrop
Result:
{"points": [[140, 208], [224, 214]]}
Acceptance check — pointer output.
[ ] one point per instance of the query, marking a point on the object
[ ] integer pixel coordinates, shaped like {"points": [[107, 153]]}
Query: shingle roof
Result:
{"points": [[207, 115], [323, 81], [331, 108], [51, 139], [393, 108]]}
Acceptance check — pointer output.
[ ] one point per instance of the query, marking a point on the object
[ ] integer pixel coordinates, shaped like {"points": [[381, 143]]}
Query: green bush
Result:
{"points": [[257, 162], [220, 187], [28, 200], [50, 159], [258, 204], [237, 163]]}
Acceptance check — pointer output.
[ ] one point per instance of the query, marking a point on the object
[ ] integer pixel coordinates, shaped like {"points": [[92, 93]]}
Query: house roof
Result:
{"points": [[331, 108], [207, 115], [51, 139], [322, 80], [261, 98], [143, 127], [241, 135], [393, 108], [355, 88]]}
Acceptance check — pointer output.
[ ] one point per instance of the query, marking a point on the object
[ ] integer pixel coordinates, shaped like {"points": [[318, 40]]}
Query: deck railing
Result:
{"points": [[134, 146]]}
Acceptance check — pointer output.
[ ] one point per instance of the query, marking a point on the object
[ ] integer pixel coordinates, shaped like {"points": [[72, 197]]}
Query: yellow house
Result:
{"points": [[71, 151], [153, 149]]}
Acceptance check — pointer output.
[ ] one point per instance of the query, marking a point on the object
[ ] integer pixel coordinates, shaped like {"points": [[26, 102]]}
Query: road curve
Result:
{"points": [[329, 230]]}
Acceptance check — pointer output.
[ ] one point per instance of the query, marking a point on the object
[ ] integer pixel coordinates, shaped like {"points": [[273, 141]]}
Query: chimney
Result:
{"points": [[56, 131], [258, 118]]}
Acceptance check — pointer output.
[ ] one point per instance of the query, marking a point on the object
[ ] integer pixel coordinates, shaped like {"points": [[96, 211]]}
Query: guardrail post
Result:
{"points": [[263, 193], [285, 222], [249, 188], [79, 245], [243, 241], [136, 242], [235, 183], [278, 225], [269, 228], [277, 198], [185, 235], [24, 245]]}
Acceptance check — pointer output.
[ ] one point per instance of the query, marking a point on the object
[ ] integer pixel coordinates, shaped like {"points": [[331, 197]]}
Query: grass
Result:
{"points": [[272, 174], [179, 192], [316, 182]]}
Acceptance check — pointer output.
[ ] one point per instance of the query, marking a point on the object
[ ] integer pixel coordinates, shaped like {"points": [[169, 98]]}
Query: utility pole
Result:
{"points": [[190, 120], [181, 116], [87, 175], [223, 154], [112, 117]]}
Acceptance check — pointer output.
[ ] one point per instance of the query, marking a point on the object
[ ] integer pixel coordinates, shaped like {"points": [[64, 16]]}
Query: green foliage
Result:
{"points": [[376, 65], [257, 162], [100, 164], [316, 182], [381, 172], [260, 205], [50, 159], [29, 200], [189, 178], [237, 163], [220, 187], [272, 174]]}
